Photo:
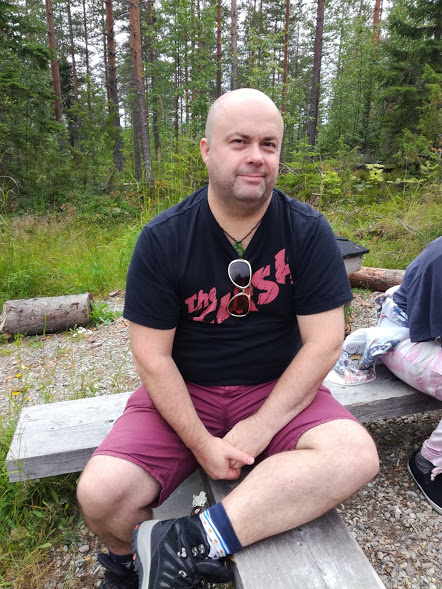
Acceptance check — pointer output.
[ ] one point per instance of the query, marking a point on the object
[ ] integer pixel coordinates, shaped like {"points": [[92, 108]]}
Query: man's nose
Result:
{"points": [[255, 153]]}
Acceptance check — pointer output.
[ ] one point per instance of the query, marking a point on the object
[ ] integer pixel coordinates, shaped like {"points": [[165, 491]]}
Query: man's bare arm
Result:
{"points": [[322, 337], [152, 353]]}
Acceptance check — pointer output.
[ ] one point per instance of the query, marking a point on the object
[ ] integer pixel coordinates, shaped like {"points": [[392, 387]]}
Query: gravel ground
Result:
{"points": [[394, 525]]}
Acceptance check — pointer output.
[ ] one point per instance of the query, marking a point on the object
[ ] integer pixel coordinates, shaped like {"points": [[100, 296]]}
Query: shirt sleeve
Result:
{"points": [[320, 278], [424, 308], [150, 290]]}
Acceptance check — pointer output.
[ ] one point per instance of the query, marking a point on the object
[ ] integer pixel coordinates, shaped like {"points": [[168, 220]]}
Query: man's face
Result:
{"points": [[242, 152]]}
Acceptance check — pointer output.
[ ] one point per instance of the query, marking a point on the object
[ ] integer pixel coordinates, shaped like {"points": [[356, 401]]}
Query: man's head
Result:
{"points": [[241, 148]]}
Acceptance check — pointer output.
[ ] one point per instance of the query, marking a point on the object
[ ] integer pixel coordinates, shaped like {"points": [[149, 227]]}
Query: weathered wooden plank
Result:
{"points": [[319, 555], [386, 396], [58, 438]]}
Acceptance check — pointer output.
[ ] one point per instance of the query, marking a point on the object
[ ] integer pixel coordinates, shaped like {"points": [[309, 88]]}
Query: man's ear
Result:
{"points": [[204, 149]]}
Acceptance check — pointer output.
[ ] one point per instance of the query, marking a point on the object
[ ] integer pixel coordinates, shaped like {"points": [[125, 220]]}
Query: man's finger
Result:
{"points": [[241, 457]]}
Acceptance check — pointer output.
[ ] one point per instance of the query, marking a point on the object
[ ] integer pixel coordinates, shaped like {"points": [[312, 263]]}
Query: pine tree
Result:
{"points": [[415, 28]]}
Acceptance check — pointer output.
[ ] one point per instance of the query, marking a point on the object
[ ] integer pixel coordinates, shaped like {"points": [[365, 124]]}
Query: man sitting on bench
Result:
{"points": [[235, 300], [417, 359]]}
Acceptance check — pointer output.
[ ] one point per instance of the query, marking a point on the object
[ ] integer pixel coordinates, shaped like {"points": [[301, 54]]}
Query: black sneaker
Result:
{"points": [[174, 554], [117, 576], [432, 490]]}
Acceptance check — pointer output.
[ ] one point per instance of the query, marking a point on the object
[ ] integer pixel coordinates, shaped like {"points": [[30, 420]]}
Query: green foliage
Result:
{"points": [[35, 515], [430, 119], [42, 256], [348, 111], [411, 60], [101, 314], [303, 178]]}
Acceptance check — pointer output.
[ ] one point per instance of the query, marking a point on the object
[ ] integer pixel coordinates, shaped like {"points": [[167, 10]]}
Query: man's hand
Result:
{"points": [[249, 437], [217, 457]]}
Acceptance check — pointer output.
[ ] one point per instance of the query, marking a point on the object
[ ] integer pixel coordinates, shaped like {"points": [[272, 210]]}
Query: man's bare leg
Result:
{"points": [[330, 463], [114, 495]]}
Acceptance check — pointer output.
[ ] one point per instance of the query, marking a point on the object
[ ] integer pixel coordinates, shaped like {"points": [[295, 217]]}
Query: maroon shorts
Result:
{"points": [[143, 437]]}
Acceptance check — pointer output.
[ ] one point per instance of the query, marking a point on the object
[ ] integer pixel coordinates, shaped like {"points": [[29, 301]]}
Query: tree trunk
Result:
{"points": [[72, 49], [377, 20], [380, 279], [176, 100], [86, 54], [218, 49], [375, 40], [46, 314], [105, 53], [55, 72], [285, 62], [234, 36], [316, 78], [113, 88], [151, 56], [138, 168], [186, 80], [140, 117]]}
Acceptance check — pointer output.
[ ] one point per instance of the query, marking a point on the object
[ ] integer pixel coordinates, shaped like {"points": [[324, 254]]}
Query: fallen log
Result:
{"points": [[45, 314], [380, 279]]}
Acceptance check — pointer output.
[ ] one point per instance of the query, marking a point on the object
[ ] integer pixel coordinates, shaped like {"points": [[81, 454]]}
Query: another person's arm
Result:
{"points": [[152, 353]]}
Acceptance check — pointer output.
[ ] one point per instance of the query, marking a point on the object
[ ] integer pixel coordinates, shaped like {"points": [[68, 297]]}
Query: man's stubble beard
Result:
{"points": [[246, 196]]}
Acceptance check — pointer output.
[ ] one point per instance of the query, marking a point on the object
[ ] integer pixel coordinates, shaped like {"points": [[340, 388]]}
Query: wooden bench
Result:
{"points": [[60, 437]]}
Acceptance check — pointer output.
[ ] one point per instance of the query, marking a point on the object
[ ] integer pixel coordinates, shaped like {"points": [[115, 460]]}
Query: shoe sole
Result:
{"points": [[141, 544], [435, 506]]}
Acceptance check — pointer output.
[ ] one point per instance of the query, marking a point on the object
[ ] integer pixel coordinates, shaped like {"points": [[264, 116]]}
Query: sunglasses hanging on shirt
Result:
{"points": [[240, 274]]}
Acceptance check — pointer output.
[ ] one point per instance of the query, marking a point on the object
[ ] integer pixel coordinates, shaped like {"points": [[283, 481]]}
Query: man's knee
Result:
{"points": [[97, 493], [110, 484], [346, 442], [360, 452], [367, 455]]}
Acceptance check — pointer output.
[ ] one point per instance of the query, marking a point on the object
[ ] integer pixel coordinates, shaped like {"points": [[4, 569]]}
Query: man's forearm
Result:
{"points": [[169, 393], [296, 388]]}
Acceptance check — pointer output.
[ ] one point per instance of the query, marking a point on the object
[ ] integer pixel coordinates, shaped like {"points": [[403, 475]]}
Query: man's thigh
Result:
{"points": [[324, 409], [141, 436]]}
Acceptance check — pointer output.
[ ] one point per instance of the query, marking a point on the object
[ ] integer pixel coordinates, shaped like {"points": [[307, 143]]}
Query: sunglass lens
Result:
{"points": [[239, 305], [239, 272]]}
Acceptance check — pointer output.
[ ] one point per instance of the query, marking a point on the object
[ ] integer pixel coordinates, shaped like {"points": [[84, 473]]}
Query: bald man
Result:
{"points": [[235, 300]]}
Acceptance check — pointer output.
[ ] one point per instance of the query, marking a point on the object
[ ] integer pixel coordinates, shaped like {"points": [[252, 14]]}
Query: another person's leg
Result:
{"points": [[420, 365], [432, 450]]}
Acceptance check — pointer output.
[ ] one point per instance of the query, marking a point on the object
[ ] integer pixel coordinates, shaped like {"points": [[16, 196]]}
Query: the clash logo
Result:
{"points": [[264, 289]]}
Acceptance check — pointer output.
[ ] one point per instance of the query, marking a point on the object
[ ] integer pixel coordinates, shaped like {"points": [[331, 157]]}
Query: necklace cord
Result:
{"points": [[238, 246]]}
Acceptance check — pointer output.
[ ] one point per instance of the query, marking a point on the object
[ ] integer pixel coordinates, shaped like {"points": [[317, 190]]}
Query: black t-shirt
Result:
{"points": [[178, 278]]}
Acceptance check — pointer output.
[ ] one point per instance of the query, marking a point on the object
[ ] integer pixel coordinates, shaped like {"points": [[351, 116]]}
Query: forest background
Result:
{"points": [[102, 106]]}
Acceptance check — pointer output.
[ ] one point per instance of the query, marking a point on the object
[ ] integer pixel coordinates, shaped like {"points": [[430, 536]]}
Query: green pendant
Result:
{"points": [[238, 248]]}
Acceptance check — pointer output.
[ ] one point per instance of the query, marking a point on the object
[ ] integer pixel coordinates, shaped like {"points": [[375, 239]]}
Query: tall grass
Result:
{"points": [[41, 256], [35, 516], [395, 229]]}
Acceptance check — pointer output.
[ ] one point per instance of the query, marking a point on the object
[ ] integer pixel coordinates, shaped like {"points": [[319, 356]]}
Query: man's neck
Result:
{"points": [[239, 219]]}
